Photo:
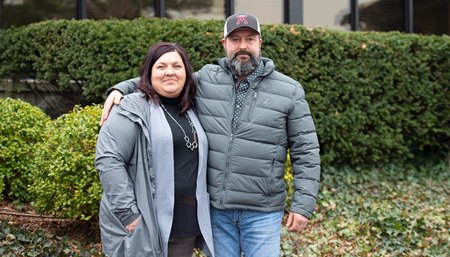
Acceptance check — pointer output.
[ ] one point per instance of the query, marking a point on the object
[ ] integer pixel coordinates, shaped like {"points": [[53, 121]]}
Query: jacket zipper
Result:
{"points": [[227, 164], [227, 171], [271, 180]]}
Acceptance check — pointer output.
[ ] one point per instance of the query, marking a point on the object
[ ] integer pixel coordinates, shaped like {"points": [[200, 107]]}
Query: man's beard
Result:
{"points": [[243, 68]]}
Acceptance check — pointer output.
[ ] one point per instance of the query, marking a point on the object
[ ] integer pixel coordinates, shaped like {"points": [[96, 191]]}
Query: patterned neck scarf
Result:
{"points": [[241, 91]]}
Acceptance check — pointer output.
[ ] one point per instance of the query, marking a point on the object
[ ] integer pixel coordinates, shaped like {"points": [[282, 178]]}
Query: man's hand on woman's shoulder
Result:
{"points": [[113, 98]]}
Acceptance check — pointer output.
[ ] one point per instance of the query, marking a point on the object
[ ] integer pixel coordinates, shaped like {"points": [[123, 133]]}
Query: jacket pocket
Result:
{"points": [[112, 231], [143, 242], [271, 181], [129, 245], [247, 112]]}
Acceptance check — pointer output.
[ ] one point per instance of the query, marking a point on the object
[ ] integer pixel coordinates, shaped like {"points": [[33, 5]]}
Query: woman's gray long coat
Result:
{"points": [[134, 157]]}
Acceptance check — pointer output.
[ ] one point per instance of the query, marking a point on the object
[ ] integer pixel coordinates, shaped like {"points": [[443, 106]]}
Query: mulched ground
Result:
{"points": [[25, 218]]}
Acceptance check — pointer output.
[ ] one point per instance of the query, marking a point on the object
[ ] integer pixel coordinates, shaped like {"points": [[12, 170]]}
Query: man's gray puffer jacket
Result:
{"points": [[245, 168]]}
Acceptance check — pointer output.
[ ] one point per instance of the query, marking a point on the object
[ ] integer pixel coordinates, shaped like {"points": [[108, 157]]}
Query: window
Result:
{"points": [[431, 17], [269, 12], [327, 14], [121, 9], [199, 9], [382, 15], [23, 12]]}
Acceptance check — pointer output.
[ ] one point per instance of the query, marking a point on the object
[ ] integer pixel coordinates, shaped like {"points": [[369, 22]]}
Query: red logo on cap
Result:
{"points": [[241, 18]]}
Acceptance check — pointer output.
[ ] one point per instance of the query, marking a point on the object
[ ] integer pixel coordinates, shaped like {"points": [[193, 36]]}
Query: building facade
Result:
{"points": [[410, 16]]}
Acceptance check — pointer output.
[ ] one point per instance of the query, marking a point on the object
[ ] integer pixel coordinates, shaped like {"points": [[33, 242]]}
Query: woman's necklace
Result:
{"points": [[189, 145]]}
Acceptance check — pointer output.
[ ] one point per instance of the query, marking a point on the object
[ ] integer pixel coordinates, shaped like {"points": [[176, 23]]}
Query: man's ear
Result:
{"points": [[224, 42]]}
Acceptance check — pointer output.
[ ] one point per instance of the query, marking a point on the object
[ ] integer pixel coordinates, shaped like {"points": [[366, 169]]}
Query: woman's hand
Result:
{"points": [[133, 225]]}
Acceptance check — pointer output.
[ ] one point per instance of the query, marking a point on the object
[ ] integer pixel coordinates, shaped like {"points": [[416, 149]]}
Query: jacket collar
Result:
{"points": [[136, 107]]}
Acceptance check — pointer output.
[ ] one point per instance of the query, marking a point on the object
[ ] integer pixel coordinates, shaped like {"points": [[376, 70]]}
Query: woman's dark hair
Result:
{"points": [[154, 53]]}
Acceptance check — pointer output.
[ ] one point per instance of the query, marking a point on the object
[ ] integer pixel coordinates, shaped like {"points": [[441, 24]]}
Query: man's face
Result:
{"points": [[243, 49], [242, 44]]}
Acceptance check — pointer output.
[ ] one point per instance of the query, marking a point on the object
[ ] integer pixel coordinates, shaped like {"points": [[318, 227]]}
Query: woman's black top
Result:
{"points": [[185, 223]]}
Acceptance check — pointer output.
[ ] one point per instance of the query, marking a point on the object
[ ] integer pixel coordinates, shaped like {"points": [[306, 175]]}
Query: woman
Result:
{"points": [[151, 156]]}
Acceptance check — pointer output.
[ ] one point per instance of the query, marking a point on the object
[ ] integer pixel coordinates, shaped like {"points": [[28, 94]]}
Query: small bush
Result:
{"points": [[65, 166], [22, 126]]}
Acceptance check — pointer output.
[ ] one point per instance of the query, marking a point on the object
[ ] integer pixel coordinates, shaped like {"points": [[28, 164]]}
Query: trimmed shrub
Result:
{"points": [[65, 182], [375, 97], [98, 54], [22, 126]]}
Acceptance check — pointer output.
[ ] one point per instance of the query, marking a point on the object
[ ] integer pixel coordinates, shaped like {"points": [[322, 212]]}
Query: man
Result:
{"points": [[252, 115]]}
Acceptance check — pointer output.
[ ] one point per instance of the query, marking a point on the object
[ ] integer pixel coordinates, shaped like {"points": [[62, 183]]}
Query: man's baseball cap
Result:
{"points": [[241, 20]]}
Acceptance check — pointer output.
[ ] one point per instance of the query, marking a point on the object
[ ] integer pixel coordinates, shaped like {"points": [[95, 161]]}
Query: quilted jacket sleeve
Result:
{"points": [[304, 152], [126, 86], [113, 152]]}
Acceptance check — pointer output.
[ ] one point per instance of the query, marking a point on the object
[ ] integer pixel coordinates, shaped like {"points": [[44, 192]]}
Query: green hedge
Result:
{"points": [[50, 163], [99, 53], [65, 171], [22, 126], [375, 97]]}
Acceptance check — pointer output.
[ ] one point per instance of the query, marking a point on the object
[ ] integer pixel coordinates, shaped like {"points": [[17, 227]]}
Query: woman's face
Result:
{"points": [[169, 75]]}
